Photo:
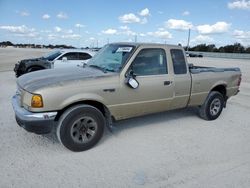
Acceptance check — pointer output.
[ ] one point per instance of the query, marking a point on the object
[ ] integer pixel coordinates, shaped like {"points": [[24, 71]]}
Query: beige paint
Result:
{"points": [[151, 96]]}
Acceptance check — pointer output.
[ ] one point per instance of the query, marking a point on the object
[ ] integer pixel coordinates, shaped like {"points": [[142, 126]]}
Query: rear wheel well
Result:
{"points": [[96, 104], [222, 90]]}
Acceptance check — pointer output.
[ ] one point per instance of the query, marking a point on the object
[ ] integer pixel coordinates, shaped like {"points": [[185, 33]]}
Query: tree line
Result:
{"points": [[234, 48], [50, 46]]}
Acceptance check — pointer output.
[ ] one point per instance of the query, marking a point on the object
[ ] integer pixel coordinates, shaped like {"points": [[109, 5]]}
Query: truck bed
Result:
{"points": [[199, 69]]}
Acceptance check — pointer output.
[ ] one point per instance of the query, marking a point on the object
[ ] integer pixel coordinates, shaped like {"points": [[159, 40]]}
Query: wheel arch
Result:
{"points": [[100, 106], [32, 66], [221, 88]]}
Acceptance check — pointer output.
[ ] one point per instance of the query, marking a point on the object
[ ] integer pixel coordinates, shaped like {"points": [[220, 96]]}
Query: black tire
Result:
{"points": [[34, 68], [76, 126], [212, 107]]}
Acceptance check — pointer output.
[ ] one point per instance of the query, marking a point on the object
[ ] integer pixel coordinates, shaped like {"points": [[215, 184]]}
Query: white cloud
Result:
{"points": [[217, 28], [92, 38], [240, 4], [179, 24], [186, 13], [70, 31], [62, 15], [160, 34], [109, 31], [144, 12], [202, 39], [124, 27], [24, 13], [129, 18], [142, 35], [242, 37], [144, 20], [17, 29], [45, 31], [71, 36], [28, 35], [52, 36], [22, 31], [125, 30], [57, 29], [46, 16], [160, 12], [241, 34], [79, 25]]}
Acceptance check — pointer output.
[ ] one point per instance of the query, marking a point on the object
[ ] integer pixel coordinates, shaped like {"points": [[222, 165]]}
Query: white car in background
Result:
{"points": [[72, 58], [56, 59]]}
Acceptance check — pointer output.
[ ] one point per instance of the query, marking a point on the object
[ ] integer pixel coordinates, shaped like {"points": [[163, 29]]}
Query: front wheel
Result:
{"points": [[212, 107], [80, 127]]}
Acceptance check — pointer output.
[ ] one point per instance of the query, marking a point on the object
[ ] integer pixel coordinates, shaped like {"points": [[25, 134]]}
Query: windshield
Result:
{"points": [[112, 57], [51, 56]]}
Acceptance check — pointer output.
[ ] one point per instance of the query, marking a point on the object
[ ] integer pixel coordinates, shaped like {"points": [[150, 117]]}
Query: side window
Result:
{"points": [[179, 62], [150, 62], [70, 56], [84, 56]]}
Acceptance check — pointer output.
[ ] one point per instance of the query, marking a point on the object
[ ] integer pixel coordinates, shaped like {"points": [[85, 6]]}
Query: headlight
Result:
{"points": [[36, 101]]}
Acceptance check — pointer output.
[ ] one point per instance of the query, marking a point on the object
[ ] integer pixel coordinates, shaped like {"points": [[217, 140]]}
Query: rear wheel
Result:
{"points": [[212, 107], [80, 127]]}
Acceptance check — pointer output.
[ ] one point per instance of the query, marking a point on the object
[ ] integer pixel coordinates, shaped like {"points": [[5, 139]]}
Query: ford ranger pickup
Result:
{"points": [[123, 80]]}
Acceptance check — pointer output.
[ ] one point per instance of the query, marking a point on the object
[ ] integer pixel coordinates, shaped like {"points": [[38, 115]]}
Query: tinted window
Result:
{"points": [[70, 56], [52, 56], [84, 56], [150, 62], [179, 62]]}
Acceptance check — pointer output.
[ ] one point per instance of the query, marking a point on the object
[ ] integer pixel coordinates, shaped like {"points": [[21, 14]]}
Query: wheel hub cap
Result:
{"points": [[215, 107], [83, 129]]}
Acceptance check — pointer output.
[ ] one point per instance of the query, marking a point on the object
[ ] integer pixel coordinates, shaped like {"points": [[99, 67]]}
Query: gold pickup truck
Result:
{"points": [[122, 80]]}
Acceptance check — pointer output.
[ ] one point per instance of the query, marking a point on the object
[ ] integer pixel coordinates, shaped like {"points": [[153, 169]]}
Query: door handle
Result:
{"points": [[166, 83]]}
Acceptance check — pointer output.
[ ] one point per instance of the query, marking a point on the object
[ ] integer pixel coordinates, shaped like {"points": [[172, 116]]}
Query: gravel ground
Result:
{"points": [[170, 149]]}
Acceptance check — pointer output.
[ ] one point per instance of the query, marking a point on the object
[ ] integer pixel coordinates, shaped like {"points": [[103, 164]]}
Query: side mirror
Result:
{"points": [[190, 65], [64, 59], [131, 81]]}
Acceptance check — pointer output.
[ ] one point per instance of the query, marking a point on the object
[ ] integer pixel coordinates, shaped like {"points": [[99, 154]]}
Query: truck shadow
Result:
{"points": [[163, 118]]}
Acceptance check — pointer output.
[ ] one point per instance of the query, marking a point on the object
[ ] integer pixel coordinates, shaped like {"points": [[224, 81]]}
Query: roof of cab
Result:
{"points": [[77, 50], [137, 44]]}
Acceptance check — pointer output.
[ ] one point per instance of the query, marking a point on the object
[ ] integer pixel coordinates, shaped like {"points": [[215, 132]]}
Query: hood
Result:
{"points": [[39, 79], [32, 59]]}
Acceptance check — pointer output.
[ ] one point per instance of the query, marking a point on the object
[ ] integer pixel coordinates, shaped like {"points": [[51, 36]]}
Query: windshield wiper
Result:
{"points": [[98, 67]]}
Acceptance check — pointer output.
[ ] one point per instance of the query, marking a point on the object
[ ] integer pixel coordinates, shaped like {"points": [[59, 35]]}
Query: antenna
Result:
{"points": [[135, 38], [188, 39]]}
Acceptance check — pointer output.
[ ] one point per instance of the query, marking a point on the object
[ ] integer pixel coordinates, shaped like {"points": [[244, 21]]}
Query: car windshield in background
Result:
{"points": [[51, 56], [112, 57]]}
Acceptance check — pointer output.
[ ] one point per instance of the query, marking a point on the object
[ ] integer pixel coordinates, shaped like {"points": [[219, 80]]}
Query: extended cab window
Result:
{"points": [[179, 62], [70, 56], [84, 56], [150, 62]]}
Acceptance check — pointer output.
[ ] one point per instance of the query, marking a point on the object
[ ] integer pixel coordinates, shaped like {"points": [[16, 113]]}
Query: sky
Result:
{"points": [[95, 23]]}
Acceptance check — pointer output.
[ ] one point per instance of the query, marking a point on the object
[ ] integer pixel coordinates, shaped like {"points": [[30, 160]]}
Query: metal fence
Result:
{"points": [[223, 55]]}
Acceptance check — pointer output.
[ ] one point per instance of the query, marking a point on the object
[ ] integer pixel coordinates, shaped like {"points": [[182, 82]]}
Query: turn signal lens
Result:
{"points": [[36, 101]]}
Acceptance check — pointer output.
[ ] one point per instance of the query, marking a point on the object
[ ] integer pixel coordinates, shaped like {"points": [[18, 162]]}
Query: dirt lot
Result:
{"points": [[171, 149]]}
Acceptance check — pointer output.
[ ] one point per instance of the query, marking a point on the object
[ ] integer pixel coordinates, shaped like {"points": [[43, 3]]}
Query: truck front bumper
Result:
{"points": [[39, 123]]}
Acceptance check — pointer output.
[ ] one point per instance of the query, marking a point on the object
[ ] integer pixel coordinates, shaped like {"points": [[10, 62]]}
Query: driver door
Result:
{"points": [[155, 90]]}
